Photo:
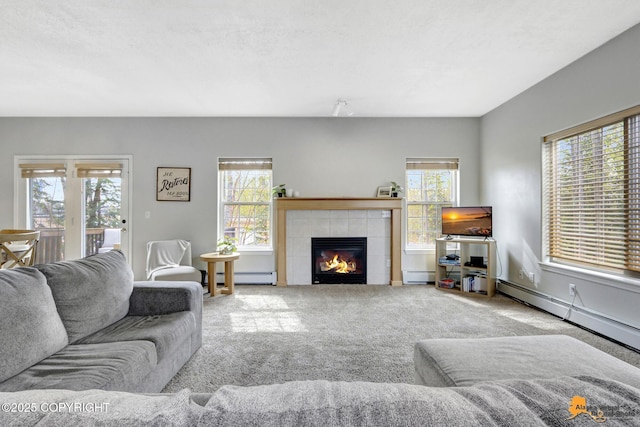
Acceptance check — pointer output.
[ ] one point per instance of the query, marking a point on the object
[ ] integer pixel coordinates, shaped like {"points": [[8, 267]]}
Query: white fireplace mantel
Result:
{"points": [[378, 203]]}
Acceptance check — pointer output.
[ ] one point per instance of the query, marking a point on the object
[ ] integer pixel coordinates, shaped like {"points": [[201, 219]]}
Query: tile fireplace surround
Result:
{"points": [[378, 219]]}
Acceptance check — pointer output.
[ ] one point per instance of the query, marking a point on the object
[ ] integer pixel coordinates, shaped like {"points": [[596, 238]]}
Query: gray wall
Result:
{"points": [[603, 82], [318, 157]]}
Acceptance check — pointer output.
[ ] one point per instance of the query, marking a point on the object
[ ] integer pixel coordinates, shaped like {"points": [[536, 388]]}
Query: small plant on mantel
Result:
{"points": [[279, 190], [396, 189], [227, 245]]}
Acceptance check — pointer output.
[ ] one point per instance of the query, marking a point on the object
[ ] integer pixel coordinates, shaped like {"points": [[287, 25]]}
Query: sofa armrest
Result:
{"points": [[160, 297]]}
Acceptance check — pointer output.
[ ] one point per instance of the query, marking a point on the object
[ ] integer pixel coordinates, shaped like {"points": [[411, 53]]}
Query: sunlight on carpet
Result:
{"points": [[260, 302], [266, 322], [530, 320]]}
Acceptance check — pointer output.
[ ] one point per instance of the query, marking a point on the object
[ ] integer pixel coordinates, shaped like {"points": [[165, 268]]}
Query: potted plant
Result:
{"points": [[396, 189], [227, 245], [279, 190]]}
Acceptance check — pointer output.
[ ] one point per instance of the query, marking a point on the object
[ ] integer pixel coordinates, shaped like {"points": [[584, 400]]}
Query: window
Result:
{"points": [[431, 183], [245, 201], [592, 193]]}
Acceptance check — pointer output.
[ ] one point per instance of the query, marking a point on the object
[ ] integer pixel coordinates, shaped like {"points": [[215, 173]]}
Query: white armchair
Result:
{"points": [[171, 260]]}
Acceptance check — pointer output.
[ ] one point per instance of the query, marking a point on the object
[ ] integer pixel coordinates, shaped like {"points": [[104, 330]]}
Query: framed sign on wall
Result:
{"points": [[173, 184]]}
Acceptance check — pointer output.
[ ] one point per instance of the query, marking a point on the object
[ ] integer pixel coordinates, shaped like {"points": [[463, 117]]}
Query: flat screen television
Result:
{"points": [[467, 221]]}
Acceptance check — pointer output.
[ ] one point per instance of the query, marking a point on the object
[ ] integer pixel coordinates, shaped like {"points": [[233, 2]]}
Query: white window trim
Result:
{"points": [[256, 250], [430, 249]]}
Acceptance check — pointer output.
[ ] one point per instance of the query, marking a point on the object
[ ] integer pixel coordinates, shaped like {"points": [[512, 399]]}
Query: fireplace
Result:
{"points": [[339, 260]]}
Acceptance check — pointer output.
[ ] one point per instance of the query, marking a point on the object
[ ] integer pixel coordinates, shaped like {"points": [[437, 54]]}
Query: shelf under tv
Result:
{"points": [[467, 249]]}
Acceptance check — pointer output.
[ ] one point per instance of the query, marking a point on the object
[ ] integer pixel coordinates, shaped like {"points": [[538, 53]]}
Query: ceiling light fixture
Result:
{"points": [[341, 104]]}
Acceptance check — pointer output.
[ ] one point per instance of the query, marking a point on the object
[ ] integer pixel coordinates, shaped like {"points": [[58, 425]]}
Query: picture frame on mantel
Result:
{"points": [[384, 191], [173, 184]]}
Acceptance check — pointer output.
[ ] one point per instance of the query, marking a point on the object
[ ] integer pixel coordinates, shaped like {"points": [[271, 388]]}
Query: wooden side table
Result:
{"points": [[211, 259]]}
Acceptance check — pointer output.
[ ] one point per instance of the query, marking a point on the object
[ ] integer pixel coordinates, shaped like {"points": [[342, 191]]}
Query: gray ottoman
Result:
{"points": [[463, 362]]}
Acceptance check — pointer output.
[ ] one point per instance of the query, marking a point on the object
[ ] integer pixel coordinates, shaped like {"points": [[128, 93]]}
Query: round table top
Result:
{"points": [[216, 256]]}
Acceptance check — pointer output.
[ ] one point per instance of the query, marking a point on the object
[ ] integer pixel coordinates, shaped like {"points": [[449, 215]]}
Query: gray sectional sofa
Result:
{"points": [[533, 402], [85, 324], [82, 367]]}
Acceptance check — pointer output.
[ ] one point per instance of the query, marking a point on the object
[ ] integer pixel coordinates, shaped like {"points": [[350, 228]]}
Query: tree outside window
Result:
{"points": [[102, 202]]}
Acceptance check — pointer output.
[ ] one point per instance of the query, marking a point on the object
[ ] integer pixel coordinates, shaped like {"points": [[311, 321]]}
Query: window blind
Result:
{"points": [[591, 186], [99, 170], [42, 170], [240, 163], [432, 163]]}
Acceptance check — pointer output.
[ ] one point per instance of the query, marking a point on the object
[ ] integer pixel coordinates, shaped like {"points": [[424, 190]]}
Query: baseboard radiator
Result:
{"points": [[584, 317], [417, 277], [250, 278]]}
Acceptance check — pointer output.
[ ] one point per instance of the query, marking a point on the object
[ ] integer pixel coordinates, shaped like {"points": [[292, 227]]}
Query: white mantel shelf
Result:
{"points": [[370, 203]]}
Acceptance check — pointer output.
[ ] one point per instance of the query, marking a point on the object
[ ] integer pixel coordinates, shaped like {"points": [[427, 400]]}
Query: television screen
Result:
{"points": [[467, 221]]}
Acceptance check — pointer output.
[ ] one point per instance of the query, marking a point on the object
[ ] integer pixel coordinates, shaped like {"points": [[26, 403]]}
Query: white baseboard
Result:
{"points": [[417, 277], [581, 316], [250, 278]]}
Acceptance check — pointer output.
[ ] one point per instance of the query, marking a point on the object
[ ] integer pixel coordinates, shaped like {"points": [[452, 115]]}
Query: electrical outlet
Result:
{"points": [[532, 277], [521, 274], [572, 289]]}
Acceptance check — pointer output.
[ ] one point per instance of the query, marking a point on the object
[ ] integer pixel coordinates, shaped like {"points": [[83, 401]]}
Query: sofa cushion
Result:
{"points": [[465, 361], [30, 327], [111, 366], [90, 293], [509, 403], [167, 331]]}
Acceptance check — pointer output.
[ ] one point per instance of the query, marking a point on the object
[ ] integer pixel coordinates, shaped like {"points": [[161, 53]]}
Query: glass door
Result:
{"points": [[80, 206], [102, 205], [45, 207]]}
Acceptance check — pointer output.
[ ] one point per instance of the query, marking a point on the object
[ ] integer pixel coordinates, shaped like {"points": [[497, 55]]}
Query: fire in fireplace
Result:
{"points": [[339, 260]]}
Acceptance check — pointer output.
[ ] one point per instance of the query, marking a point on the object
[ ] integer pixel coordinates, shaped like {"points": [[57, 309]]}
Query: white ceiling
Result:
{"points": [[289, 58]]}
